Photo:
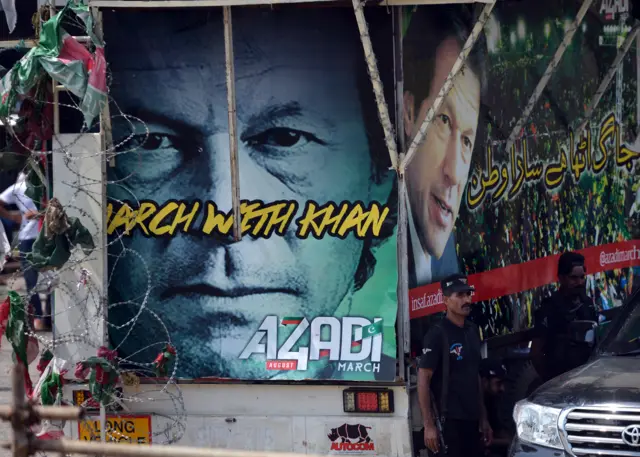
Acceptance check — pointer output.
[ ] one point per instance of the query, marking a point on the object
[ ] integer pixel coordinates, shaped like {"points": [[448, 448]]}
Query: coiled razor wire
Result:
{"points": [[68, 280]]}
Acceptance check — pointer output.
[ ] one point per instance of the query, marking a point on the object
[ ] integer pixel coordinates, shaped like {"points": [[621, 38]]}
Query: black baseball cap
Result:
{"points": [[456, 283], [492, 368]]}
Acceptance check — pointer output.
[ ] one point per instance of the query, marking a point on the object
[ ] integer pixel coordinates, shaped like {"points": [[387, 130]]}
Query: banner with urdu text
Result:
{"points": [[503, 216]]}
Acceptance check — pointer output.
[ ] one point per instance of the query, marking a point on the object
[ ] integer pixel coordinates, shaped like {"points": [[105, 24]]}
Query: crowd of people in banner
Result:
{"points": [[537, 224]]}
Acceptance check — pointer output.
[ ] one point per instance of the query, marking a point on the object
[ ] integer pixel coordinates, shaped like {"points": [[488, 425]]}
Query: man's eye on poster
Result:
{"points": [[309, 291]]}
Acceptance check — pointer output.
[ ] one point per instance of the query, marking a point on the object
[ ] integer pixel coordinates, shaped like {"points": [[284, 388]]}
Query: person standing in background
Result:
{"points": [[7, 179], [493, 374], [28, 220], [450, 370], [552, 352]]}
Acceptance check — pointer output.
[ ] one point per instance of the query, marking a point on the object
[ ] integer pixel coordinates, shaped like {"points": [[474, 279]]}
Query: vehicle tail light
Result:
{"points": [[368, 401]]}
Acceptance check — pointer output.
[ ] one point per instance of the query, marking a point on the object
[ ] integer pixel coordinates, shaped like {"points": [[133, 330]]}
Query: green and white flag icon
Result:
{"points": [[368, 331]]}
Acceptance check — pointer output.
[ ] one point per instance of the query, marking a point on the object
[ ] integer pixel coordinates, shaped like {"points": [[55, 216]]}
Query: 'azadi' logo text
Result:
{"points": [[354, 342], [612, 7]]}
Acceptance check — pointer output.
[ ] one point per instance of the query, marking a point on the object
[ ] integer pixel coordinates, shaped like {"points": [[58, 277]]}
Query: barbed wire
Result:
{"points": [[82, 306]]}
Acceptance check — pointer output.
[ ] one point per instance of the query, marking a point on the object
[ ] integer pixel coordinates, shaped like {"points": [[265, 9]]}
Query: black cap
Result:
{"points": [[455, 283], [492, 368]]}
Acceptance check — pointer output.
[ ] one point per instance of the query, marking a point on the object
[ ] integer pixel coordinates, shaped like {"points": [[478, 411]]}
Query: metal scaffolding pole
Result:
{"points": [[447, 85], [376, 82], [613, 69], [20, 442], [568, 36], [233, 136]]}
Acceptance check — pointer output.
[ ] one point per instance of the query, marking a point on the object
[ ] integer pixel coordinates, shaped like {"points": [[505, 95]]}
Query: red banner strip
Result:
{"points": [[426, 300]]}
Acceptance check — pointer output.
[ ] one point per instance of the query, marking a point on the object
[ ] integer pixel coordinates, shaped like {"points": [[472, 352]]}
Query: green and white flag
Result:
{"points": [[368, 331]]}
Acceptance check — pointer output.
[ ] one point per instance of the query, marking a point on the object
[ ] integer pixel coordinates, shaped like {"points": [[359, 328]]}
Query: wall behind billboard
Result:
{"points": [[310, 290], [503, 216]]}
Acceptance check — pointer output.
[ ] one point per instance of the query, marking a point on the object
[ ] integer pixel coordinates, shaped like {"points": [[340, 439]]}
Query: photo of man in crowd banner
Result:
{"points": [[309, 291], [503, 216]]}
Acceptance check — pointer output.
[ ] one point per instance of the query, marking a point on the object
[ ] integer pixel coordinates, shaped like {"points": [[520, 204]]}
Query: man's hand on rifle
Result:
{"points": [[487, 432], [431, 439]]}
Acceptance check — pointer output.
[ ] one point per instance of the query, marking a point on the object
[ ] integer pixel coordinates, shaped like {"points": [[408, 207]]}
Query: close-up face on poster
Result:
{"points": [[309, 291], [502, 213]]}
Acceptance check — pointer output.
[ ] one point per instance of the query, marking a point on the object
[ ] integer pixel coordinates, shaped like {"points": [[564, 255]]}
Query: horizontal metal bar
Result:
{"points": [[46, 412], [431, 2], [29, 43], [115, 449], [201, 3], [604, 416], [32, 42], [594, 439], [607, 452], [610, 408], [593, 428], [188, 3]]}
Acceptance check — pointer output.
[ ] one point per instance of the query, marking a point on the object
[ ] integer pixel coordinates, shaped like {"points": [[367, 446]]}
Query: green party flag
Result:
{"points": [[51, 390], [372, 330], [17, 326]]}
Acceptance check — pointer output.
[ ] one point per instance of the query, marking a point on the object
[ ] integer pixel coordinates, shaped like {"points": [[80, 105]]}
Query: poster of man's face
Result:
{"points": [[307, 132], [437, 175]]}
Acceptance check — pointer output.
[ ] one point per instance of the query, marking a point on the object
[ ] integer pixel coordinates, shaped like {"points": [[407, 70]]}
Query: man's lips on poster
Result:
{"points": [[226, 317], [441, 211], [209, 290]]}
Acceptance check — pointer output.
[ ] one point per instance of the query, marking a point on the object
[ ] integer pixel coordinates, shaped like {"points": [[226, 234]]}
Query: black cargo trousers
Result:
{"points": [[463, 439]]}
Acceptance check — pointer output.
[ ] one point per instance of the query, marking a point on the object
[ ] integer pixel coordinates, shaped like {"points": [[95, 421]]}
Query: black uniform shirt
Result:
{"points": [[463, 397], [551, 323]]}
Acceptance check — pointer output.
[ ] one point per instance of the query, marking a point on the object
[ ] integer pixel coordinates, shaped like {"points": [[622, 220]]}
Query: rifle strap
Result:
{"points": [[444, 393]]}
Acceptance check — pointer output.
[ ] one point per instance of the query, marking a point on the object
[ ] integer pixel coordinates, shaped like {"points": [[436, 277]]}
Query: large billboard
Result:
{"points": [[309, 292], [502, 216]]}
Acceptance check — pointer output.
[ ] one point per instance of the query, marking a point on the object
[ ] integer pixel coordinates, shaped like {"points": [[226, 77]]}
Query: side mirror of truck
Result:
{"points": [[583, 332]]}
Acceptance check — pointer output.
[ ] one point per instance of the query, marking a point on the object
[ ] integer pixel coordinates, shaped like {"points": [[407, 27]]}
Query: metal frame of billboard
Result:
{"points": [[551, 68], [376, 82], [201, 3], [613, 69], [399, 159], [231, 109], [448, 84]]}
